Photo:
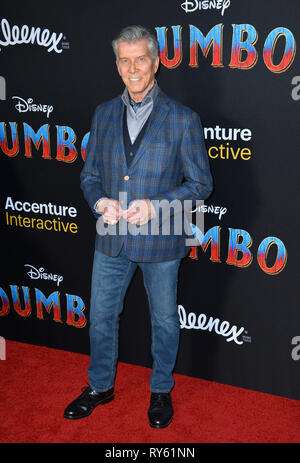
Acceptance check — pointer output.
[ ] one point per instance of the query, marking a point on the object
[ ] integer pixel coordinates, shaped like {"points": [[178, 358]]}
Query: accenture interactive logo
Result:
{"points": [[16, 35], [40, 216], [228, 143]]}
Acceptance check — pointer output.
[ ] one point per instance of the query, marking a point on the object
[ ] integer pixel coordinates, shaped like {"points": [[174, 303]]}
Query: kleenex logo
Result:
{"points": [[15, 36], [201, 322]]}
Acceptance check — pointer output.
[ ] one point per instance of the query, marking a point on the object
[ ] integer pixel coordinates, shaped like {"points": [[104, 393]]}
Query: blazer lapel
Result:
{"points": [[156, 118], [118, 130]]}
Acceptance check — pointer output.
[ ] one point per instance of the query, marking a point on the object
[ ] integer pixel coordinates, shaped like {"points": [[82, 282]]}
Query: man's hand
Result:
{"points": [[139, 212], [110, 210]]}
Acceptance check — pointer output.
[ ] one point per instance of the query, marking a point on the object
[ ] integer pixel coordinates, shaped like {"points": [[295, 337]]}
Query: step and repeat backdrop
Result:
{"points": [[236, 64]]}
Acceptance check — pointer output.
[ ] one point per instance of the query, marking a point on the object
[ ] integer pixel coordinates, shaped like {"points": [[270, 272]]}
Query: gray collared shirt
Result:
{"points": [[136, 121]]}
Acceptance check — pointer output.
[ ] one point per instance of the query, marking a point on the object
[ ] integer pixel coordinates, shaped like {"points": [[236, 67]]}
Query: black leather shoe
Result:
{"points": [[160, 412], [86, 402]]}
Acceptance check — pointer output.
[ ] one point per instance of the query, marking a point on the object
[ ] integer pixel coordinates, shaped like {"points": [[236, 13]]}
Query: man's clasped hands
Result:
{"points": [[139, 211]]}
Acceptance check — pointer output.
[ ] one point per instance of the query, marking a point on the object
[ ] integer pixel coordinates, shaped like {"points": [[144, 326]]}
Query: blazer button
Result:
{"points": [[126, 177]]}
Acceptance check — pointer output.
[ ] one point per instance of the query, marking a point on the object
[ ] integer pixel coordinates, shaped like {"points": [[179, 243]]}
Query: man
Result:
{"points": [[144, 147]]}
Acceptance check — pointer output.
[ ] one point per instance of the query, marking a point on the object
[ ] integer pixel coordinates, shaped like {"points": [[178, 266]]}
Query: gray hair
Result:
{"points": [[134, 34]]}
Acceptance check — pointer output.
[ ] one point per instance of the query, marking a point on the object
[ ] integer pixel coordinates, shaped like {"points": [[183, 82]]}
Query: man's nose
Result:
{"points": [[132, 67]]}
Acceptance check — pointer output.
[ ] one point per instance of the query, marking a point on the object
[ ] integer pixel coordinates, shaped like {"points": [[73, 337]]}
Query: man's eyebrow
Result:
{"points": [[126, 57]]}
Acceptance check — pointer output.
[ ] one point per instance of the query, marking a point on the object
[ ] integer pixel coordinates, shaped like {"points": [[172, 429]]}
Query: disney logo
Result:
{"points": [[189, 6], [211, 209], [23, 106], [36, 274]]}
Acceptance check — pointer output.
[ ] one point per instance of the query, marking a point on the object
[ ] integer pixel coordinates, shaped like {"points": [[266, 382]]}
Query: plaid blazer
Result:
{"points": [[171, 163]]}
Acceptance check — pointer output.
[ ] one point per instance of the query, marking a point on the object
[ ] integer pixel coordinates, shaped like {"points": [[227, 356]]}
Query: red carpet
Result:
{"points": [[37, 383]]}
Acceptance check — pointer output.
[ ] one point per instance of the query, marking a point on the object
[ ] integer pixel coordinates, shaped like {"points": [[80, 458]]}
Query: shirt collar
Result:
{"points": [[151, 95]]}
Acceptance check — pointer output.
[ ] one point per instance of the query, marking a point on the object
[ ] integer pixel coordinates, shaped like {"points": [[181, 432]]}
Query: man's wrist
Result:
{"points": [[152, 209], [98, 207]]}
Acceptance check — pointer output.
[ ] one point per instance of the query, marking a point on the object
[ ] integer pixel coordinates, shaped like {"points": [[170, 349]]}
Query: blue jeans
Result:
{"points": [[110, 280]]}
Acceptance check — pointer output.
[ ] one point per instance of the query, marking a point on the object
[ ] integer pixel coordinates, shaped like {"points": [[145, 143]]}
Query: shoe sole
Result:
{"points": [[160, 426], [103, 402]]}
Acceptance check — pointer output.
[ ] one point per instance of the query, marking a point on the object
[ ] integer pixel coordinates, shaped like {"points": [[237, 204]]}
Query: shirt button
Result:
{"points": [[126, 177], [131, 154]]}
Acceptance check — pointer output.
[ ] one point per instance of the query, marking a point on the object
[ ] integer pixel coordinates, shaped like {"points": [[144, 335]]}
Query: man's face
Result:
{"points": [[136, 67]]}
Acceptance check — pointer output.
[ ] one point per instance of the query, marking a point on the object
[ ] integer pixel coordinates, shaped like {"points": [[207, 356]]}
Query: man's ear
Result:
{"points": [[156, 65]]}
